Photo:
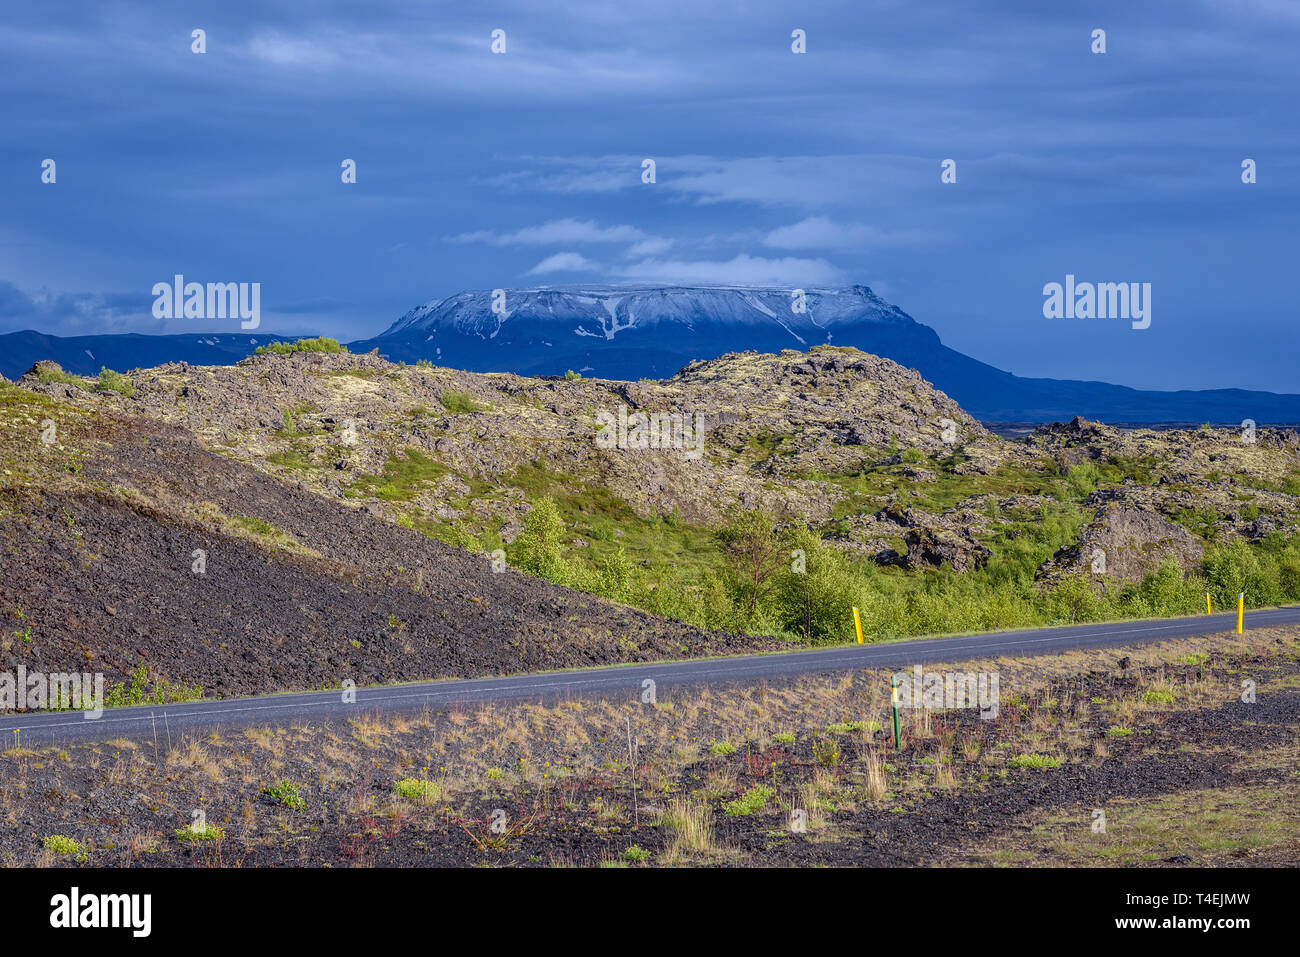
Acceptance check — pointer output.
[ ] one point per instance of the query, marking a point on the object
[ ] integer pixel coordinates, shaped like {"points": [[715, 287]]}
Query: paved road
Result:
{"points": [[41, 729]]}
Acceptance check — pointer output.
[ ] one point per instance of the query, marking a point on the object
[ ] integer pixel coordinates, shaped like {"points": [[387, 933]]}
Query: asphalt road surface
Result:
{"points": [[39, 729]]}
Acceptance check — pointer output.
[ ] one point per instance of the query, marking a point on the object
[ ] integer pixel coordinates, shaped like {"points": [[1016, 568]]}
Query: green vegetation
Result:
{"points": [[459, 402], [848, 727], [747, 577], [826, 752], [60, 844], [200, 830], [418, 789], [124, 694], [255, 525], [748, 803], [286, 792], [636, 854], [290, 459], [320, 344], [110, 381], [1039, 761], [47, 375], [403, 475]]}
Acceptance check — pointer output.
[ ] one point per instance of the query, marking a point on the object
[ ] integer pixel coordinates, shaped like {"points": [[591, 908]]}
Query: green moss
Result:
{"points": [[403, 475], [291, 459], [255, 525]]}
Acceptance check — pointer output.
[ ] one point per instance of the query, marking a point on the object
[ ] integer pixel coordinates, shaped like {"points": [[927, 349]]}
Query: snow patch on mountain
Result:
{"points": [[606, 311]]}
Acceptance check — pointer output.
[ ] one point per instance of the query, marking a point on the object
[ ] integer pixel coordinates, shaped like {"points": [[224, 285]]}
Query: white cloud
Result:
{"points": [[650, 246], [555, 231], [563, 262], [1286, 10], [740, 269], [820, 232], [799, 181], [311, 53]]}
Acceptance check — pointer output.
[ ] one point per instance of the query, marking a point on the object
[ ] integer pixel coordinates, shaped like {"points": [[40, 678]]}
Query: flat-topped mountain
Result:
{"points": [[639, 332]]}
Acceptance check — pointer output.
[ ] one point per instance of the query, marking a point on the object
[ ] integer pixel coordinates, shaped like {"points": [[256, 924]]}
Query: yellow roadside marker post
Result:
{"points": [[857, 623], [1208, 609], [1241, 610]]}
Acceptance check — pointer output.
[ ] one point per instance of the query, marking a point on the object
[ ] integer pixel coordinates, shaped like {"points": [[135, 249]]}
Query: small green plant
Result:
{"points": [[61, 844], [572, 376], [199, 830], [1158, 696], [418, 789], [122, 694], [286, 792], [1040, 761], [722, 748], [636, 854], [47, 375], [783, 737], [110, 381], [826, 752], [494, 774], [845, 727], [1116, 731], [748, 803], [459, 402]]}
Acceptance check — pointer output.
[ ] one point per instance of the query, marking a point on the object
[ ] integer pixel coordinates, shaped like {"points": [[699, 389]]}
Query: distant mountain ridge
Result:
{"points": [[86, 355], [652, 331]]}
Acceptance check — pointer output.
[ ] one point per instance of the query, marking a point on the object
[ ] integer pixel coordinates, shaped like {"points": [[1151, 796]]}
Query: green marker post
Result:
{"points": [[898, 740]]}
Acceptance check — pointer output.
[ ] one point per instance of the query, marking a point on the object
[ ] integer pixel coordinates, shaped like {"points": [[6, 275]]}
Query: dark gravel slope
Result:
{"points": [[99, 565]]}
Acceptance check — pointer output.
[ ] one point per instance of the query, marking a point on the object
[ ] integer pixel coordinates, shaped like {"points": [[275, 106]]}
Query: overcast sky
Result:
{"points": [[479, 170]]}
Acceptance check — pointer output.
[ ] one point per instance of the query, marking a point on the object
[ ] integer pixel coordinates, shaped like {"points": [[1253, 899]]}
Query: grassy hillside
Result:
{"points": [[828, 479]]}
